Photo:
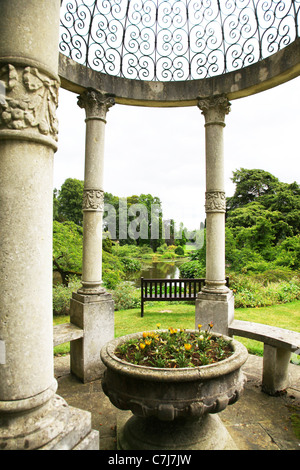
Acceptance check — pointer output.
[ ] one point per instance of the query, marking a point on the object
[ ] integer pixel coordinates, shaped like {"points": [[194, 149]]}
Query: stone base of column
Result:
{"points": [[95, 315], [52, 426], [77, 434], [216, 308]]}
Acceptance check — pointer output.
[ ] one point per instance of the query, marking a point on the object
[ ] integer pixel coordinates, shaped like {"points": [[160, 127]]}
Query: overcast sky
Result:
{"points": [[162, 151]]}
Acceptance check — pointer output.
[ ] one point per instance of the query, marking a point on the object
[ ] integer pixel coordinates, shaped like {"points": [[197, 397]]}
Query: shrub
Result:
{"points": [[126, 296], [131, 264], [111, 278], [168, 255], [179, 251], [107, 244], [192, 269], [112, 270], [162, 248], [62, 296], [277, 274], [125, 251], [253, 291]]}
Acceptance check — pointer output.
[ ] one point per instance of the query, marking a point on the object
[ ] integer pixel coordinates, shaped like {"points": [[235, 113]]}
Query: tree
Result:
{"points": [[250, 184], [67, 249], [261, 215], [55, 204], [70, 201], [285, 199], [134, 220]]}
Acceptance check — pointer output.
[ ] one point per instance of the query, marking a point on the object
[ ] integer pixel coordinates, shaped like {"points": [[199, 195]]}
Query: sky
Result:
{"points": [[161, 151]]}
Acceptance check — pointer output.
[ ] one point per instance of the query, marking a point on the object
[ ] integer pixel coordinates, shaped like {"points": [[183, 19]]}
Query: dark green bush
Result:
{"points": [[130, 264], [192, 269], [179, 251]]}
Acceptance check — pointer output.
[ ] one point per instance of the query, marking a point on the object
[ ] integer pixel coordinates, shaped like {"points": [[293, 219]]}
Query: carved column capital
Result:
{"points": [[214, 109], [96, 104]]}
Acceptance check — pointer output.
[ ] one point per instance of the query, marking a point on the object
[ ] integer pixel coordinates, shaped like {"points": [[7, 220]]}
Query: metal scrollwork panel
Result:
{"points": [[169, 40]]}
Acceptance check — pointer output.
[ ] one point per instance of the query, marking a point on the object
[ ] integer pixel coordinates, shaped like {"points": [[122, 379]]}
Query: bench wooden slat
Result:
{"points": [[66, 332], [187, 289], [272, 335]]}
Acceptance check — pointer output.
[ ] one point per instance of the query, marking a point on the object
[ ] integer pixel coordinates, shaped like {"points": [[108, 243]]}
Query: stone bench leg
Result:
{"points": [[275, 369]]}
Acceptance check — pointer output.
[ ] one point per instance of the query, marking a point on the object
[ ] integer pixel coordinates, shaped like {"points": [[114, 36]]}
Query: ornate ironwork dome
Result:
{"points": [[175, 40]]}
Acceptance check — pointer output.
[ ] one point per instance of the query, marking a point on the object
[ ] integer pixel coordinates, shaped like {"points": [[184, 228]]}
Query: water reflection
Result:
{"points": [[156, 270]]}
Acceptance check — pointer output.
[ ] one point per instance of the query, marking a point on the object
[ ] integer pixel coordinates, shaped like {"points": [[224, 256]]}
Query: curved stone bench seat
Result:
{"points": [[279, 343]]}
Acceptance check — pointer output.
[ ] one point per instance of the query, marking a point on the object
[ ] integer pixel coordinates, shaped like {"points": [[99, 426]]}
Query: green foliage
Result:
{"points": [[62, 295], [175, 348], [67, 255], [179, 250], [264, 290], [131, 264], [107, 244], [126, 251], [131, 219], [288, 253], [126, 296], [262, 223], [250, 184], [69, 201], [67, 249], [192, 269], [112, 270], [162, 248]]}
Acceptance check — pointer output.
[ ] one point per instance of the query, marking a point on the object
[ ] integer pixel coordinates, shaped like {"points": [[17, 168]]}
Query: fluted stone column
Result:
{"points": [[215, 301], [91, 307], [32, 416]]}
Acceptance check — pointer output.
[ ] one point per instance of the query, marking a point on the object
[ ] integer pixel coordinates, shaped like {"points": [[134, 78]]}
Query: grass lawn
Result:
{"points": [[181, 315]]}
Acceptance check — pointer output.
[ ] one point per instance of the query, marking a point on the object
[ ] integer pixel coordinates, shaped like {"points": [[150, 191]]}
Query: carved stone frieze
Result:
{"points": [[93, 200], [215, 201], [28, 100]]}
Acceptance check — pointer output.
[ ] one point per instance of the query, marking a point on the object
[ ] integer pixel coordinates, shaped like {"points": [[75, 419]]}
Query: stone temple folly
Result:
{"points": [[150, 53]]}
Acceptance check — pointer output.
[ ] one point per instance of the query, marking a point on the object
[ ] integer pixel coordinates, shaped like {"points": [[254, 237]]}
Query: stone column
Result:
{"points": [[91, 306], [32, 416], [215, 301], [96, 105]]}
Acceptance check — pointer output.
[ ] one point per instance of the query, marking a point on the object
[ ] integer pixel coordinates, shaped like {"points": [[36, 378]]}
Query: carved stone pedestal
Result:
{"points": [[172, 407], [208, 433]]}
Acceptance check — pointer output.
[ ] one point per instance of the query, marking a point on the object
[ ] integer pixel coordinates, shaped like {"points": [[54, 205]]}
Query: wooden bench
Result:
{"points": [[170, 290], [279, 343]]}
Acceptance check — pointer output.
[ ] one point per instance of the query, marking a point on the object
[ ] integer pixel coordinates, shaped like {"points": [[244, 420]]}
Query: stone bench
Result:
{"points": [[279, 343], [66, 332]]}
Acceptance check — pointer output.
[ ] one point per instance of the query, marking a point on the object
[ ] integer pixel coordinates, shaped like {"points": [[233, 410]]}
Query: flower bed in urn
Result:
{"points": [[175, 348], [175, 373]]}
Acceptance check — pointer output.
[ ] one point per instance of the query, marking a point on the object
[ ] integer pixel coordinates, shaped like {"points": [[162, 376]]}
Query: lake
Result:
{"points": [[156, 270]]}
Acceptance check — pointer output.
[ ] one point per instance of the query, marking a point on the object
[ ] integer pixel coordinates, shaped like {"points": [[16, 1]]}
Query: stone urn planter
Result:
{"points": [[173, 409]]}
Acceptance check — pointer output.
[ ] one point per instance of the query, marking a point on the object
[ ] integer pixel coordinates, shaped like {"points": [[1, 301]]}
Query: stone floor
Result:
{"points": [[256, 422]]}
